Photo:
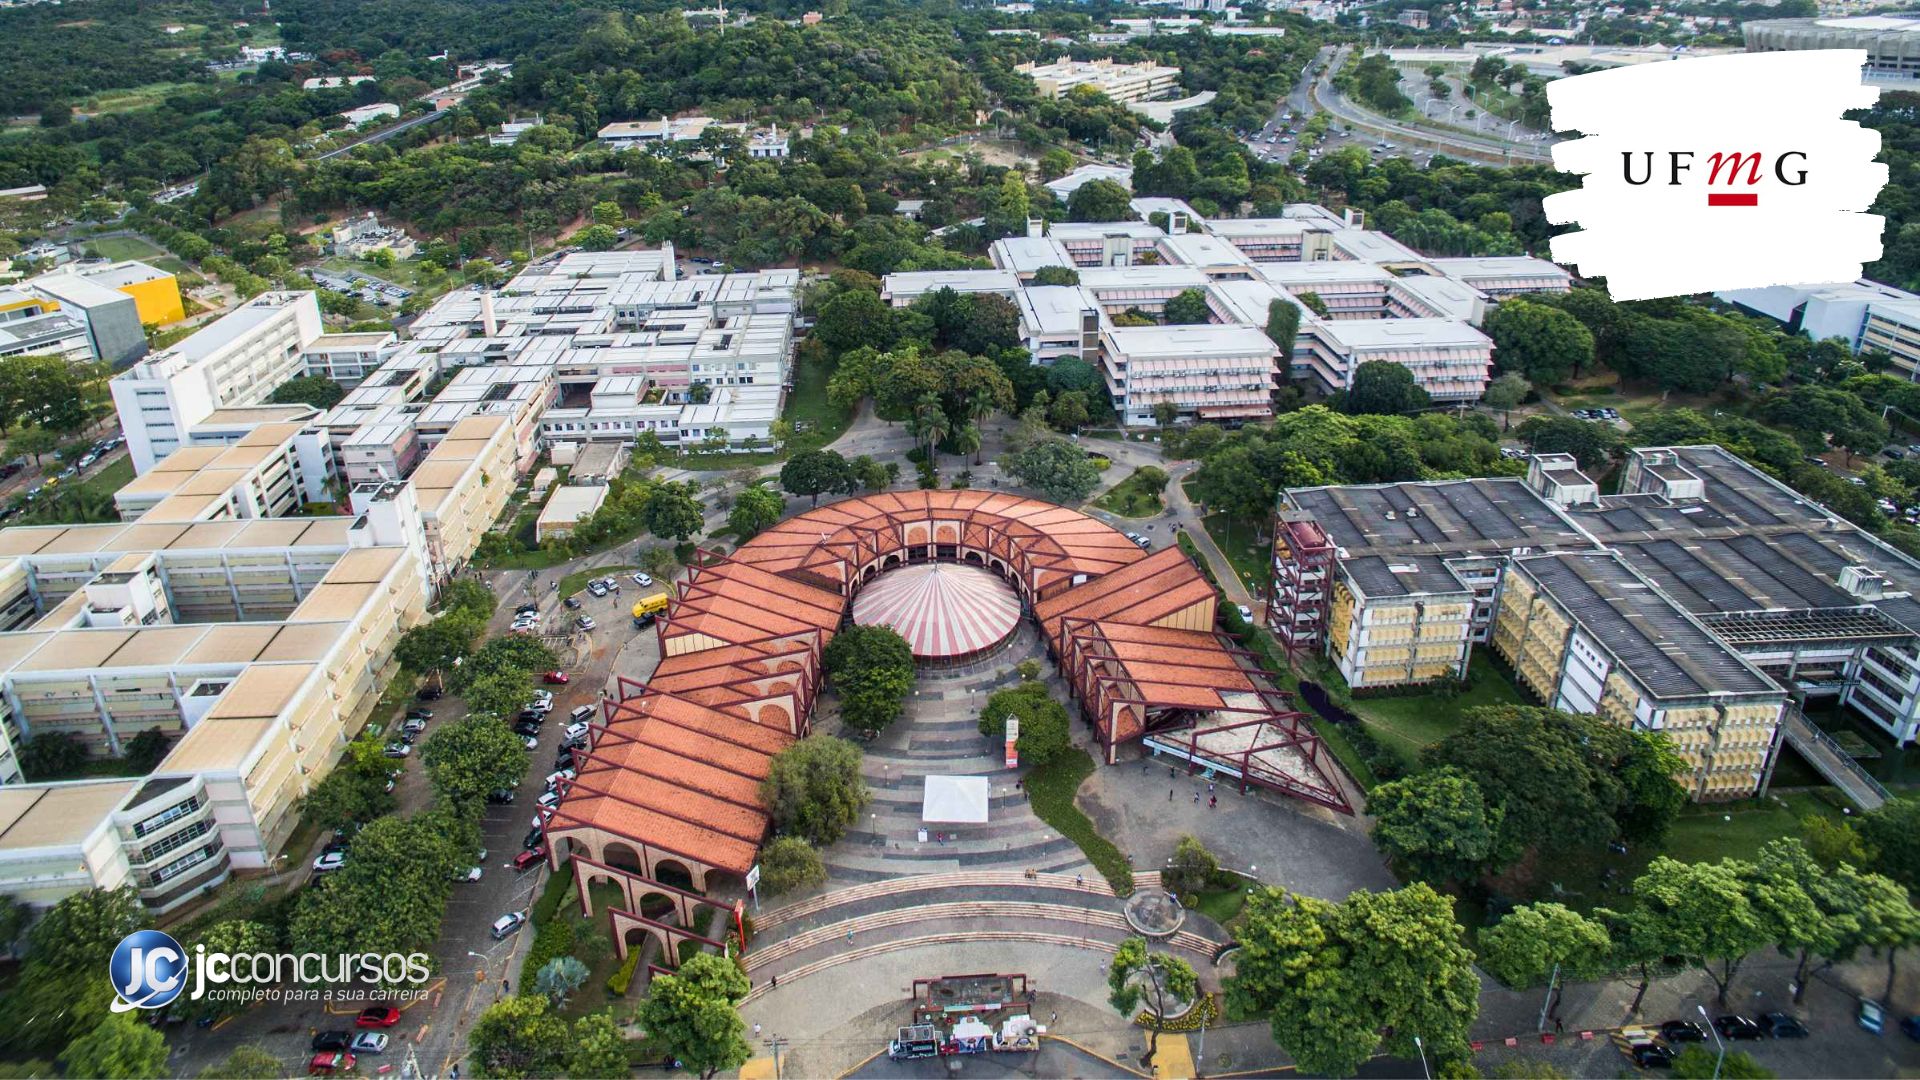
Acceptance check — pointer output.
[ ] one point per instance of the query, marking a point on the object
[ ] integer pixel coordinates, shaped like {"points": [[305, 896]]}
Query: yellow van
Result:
{"points": [[649, 605]]}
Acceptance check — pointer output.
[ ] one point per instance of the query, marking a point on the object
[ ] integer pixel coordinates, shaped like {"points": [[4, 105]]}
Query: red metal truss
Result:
{"points": [[1303, 568]]}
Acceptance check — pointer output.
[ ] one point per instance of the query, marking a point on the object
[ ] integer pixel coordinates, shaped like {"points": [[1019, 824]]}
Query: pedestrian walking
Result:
{"points": [[1213, 802], [1209, 787], [756, 1031], [1169, 794], [773, 983], [1196, 798], [849, 937], [1559, 1026]]}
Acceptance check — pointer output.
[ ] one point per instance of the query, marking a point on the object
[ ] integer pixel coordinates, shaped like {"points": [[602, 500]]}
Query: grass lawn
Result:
{"points": [[1132, 498], [1052, 788], [808, 407], [577, 580], [1413, 722], [1223, 905], [1238, 541], [124, 247]]}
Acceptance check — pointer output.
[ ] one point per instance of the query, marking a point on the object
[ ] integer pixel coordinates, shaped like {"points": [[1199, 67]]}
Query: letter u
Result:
{"points": [[1626, 167]]}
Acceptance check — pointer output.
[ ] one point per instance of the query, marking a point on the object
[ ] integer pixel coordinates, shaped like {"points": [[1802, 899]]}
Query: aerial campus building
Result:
{"points": [[257, 640], [1382, 301], [667, 796], [1892, 42], [1705, 600]]}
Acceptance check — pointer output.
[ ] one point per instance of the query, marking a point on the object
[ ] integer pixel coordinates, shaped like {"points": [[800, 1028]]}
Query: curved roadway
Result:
{"points": [[1321, 94]]}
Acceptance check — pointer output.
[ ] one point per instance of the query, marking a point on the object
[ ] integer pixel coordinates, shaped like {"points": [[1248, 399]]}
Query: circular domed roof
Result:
{"points": [[944, 610]]}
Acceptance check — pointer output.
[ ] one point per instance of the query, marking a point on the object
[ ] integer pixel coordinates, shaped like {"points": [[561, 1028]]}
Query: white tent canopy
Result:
{"points": [[955, 800]]}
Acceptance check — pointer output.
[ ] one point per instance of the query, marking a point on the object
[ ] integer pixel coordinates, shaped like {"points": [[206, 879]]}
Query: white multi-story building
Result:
{"points": [[237, 360], [1121, 82]]}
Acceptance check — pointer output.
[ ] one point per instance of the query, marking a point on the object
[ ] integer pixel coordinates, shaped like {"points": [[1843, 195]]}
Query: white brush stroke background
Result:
{"points": [[1656, 240]]}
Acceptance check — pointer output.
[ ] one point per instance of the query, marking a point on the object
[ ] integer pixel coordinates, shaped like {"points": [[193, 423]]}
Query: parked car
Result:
{"points": [[596, 588], [584, 622], [501, 797], [332, 1040], [377, 1016], [528, 730], [1651, 1055], [370, 1042], [571, 603], [428, 693], [1779, 1025], [642, 580], [553, 779], [556, 678], [576, 731], [332, 860], [507, 924], [398, 750], [527, 609], [1737, 1027], [470, 874], [1871, 1016], [550, 800], [536, 839], [1910, 1026], [582, 712], [1681, 1031], [531, 716], [532, 743], [529, 858], [329, 1063]]}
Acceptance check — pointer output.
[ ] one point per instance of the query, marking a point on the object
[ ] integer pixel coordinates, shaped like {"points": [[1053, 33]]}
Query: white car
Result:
{"points": [[472, 873], [508, 923], [553, 779], [642, 580], [1245, 612], [550, 800], [576, 731], [332, 860]]}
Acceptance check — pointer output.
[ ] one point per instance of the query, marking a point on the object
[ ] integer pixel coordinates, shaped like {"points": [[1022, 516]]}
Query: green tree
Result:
{"points": [[1056, 275], [756, 509], [1534, 941], [465, 596], [1045, 731], [559, 977], [673, 512], [1055, 163], [597, 238], [354, 792], [118, 1047], [33, 442], [1543, 343], [438, 645], [236, 937], [1283, 326], [853, 319], [391, 894], [1100, 200], [1188, 307], [1159, 980], [315, 390], [60, 982], [1506, 393], [1191, 869], [1592, 443], [1056, 469], [467, 758], [1435, 824], [1893, 833], [520, 1036], [609, 214], [691, 1015], [499, 696], [1339, 983], [247, 1062], [1165, 413], [814, 789], [599, 1050], [872, 669], [1385, 388], [1703, 912], [790, 863], [1312, 302], [868, 473], [1008, 212], [1069, 411], [815, 473], [145, 750]]}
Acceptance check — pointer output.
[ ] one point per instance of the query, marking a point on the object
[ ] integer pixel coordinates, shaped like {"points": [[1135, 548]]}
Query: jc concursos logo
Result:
{"points": [[148, 970]]}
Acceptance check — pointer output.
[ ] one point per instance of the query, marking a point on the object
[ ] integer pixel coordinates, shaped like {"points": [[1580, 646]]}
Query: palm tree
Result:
{"points": [[966, 441]]}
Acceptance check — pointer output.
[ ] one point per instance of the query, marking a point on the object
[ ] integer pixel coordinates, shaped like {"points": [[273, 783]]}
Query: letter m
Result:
{"points": [[1734, 162]]}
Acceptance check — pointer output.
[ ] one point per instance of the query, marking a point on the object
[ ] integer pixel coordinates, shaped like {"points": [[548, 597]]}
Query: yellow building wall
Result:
{"points": [[157, 300]]}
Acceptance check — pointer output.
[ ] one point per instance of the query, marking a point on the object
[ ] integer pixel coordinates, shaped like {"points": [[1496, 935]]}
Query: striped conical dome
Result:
{"points": [[944, 610]]}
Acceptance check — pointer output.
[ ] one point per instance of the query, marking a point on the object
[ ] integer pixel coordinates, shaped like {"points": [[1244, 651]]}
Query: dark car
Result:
{"points": [[1910, 1025], [527, 609], [1651, 1055], [535, 839], [501, 797], [531, 716], [1682, 1031], [331, 1040], [377, 1016], [428, 693], [529, 858], [527, 729], [1737, 1027], [1779, 1025], [572, 603]]}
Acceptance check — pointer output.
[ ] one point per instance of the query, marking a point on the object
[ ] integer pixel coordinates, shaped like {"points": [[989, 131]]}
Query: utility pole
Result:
{"points": [[1547, 1004], [777, 1043]]}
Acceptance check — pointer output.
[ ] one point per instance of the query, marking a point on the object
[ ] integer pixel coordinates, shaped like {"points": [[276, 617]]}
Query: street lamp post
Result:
{"points": [[1422, 1050], [1721, 1060]]}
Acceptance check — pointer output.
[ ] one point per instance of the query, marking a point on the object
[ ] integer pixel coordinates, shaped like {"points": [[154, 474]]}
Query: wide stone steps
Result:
{"points": [[965, 879]]}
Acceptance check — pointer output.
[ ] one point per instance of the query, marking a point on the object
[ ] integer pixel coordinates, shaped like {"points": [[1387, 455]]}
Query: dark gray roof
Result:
{"points": [[1669, 654], [1379, 577], [1453, 516]]}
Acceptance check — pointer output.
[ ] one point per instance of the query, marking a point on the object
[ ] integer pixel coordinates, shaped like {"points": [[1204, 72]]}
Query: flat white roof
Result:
{"points": [[1498, 266], [1401, 333], [1055, 309], [1085, 174], [571, 503], [1374, 246], [1197, 249], [1325, 271], [1025, 254], [1199, 341], [915, 282], [1258, 227]]}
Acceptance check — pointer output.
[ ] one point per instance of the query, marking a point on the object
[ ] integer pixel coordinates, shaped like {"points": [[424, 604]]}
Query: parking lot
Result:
{"points": [[472, 969]]}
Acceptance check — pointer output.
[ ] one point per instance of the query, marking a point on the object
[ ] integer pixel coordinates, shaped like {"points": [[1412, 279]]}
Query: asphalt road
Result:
{"points": [[1471, 146]]}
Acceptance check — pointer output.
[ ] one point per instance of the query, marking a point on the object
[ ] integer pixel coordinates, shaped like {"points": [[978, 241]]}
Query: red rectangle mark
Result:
{"points": [[1733, 200]]}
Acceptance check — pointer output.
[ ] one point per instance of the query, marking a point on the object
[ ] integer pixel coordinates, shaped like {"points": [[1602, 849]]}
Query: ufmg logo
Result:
{"points": [[1788, 170], [148, 970]]}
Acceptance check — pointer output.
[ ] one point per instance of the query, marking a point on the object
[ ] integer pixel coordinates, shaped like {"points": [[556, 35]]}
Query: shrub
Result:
{"points": [[1044, 726], [790, 863], [554, 939], [1192, 869], [622, 976], [1052, 789]]}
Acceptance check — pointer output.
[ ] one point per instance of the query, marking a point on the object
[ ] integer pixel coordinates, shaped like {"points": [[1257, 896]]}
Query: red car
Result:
{"points": [[556, 678], [331, 1062], [377, 1016], [527, 859]]}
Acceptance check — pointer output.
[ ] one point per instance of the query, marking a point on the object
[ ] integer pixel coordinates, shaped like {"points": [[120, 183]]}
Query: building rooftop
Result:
{"points": [[57, 815], [1193, 341], [1449, 517]]}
